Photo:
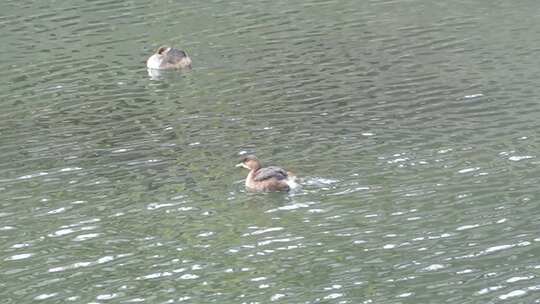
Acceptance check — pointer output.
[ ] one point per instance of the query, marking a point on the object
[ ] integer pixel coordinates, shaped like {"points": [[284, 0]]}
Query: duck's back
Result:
{"points": [[175, 56], [270, 172]]}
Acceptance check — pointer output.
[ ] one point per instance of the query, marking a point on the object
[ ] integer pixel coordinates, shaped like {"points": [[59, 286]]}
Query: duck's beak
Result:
{"points": [[241, 165]]}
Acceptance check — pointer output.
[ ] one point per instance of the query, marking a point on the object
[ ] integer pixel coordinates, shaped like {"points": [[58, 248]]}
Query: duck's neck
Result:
{"points": [[252, 173], [251, 176]]}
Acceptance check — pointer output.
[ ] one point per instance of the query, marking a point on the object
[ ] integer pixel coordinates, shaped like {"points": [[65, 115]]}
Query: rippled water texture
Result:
{"points": [[413, 124]]}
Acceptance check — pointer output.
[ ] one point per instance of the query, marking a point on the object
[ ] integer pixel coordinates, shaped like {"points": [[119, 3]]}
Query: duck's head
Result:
{"points": [[162, 50], [250, 162]]}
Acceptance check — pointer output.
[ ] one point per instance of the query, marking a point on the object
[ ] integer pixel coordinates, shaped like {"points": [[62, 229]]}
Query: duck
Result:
{"points": [[169, 58], [268, 179]]}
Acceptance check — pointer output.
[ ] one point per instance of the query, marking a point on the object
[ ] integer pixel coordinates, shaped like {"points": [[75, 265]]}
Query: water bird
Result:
{"points": [[169, 58], [268, 179]]}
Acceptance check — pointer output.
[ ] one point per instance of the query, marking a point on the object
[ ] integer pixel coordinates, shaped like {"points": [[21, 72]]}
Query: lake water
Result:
{"points": [[412, 123]]}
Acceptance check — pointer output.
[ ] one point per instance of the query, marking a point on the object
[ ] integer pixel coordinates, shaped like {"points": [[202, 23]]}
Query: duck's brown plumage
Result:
{"points": [[264, 179]]}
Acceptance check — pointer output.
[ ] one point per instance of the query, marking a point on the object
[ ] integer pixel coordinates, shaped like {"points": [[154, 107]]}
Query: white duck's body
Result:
{"points": [[168, 58]]}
